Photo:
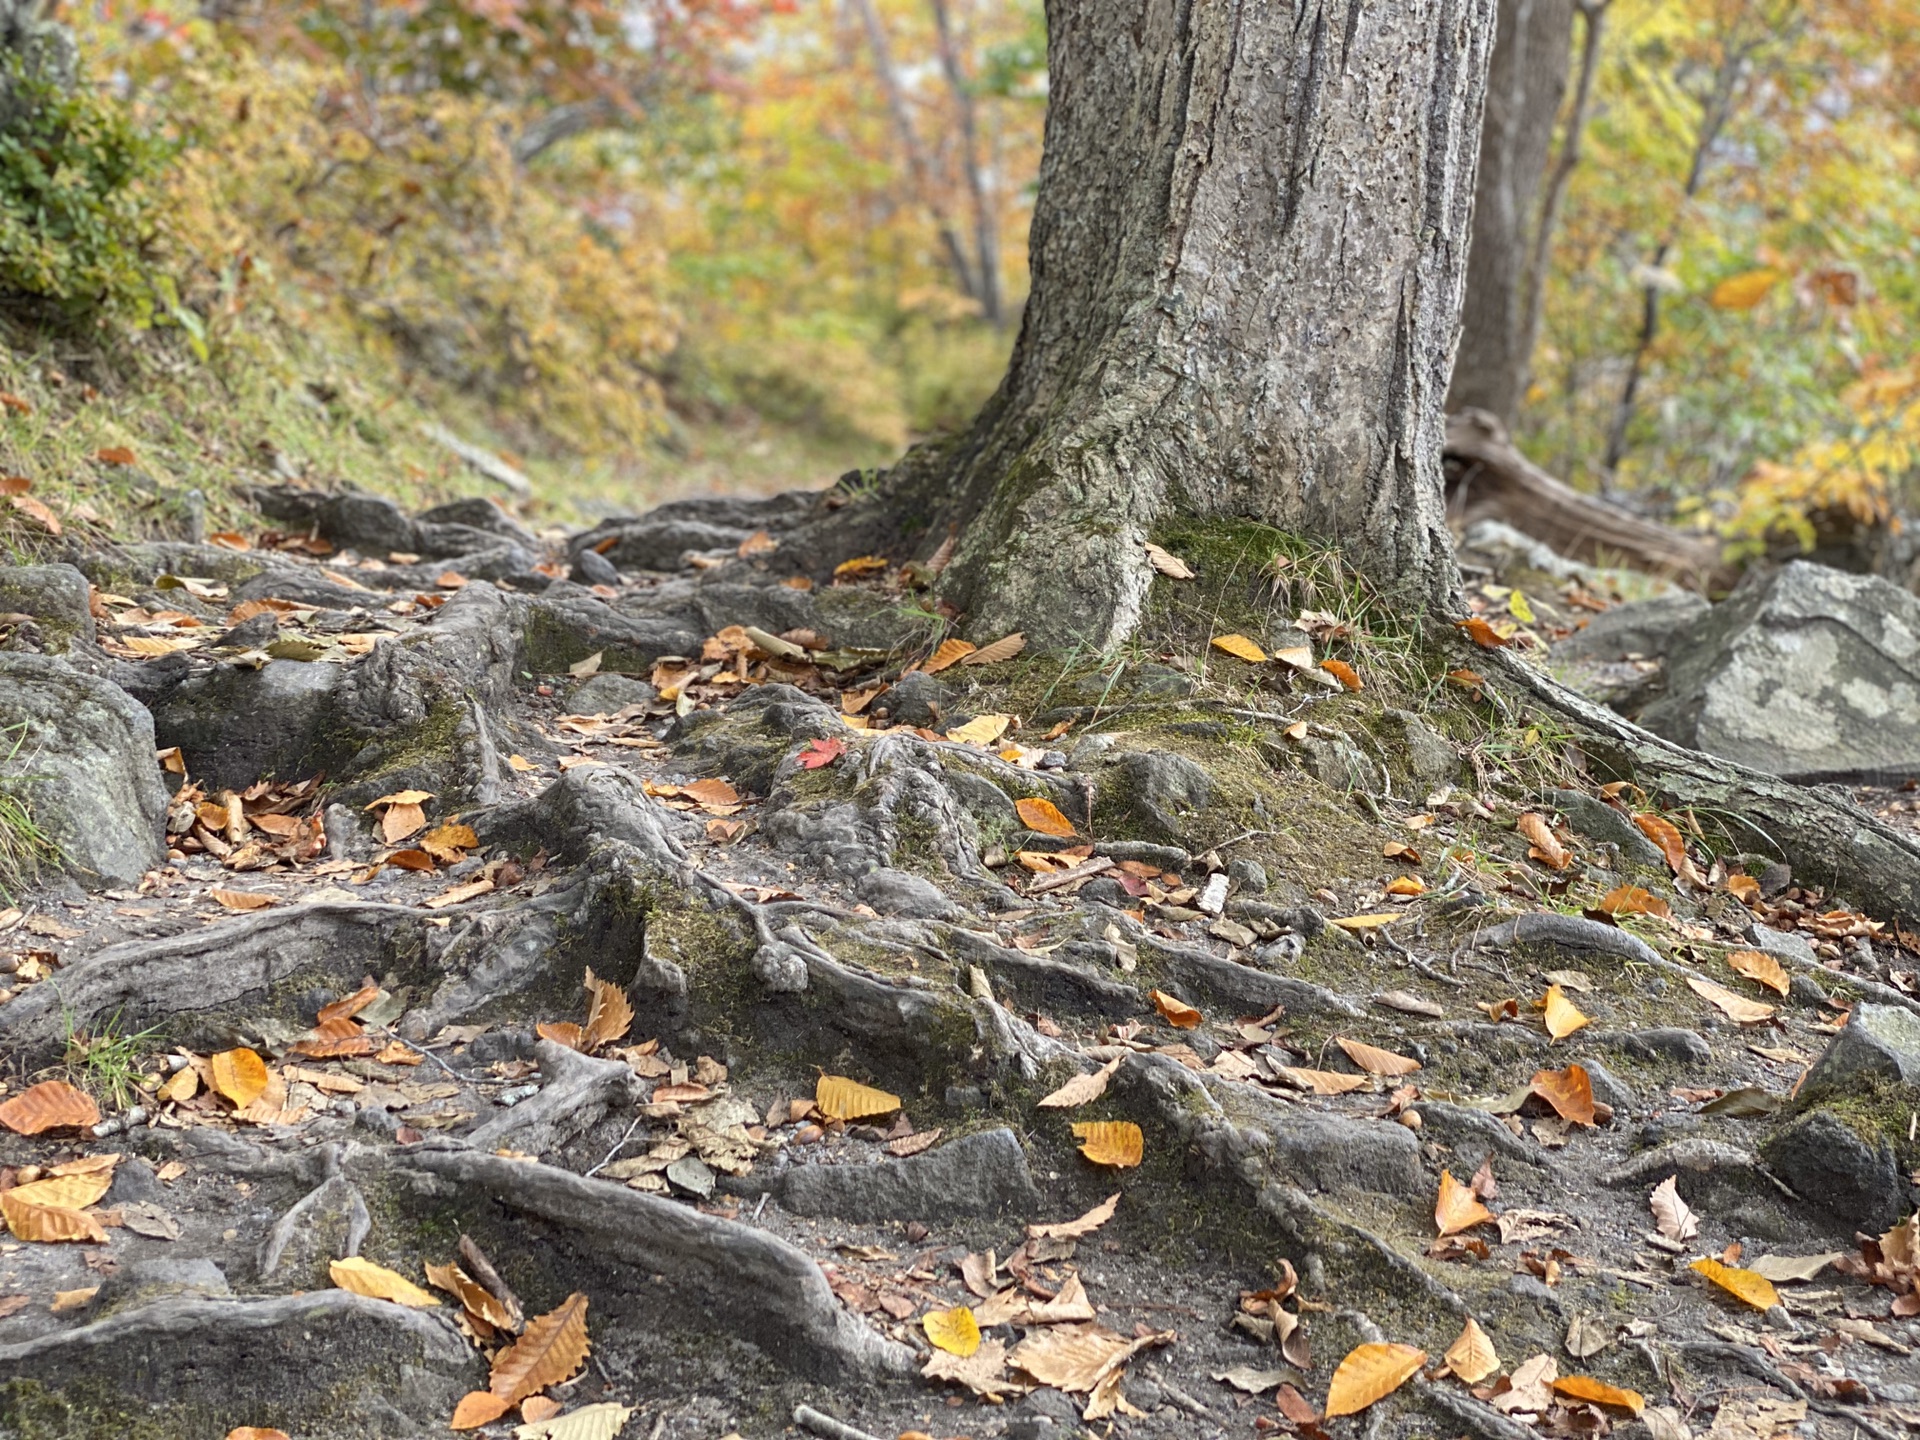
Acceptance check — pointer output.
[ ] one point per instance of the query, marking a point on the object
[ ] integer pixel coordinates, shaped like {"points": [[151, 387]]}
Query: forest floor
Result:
{"points": [[582, 981]]}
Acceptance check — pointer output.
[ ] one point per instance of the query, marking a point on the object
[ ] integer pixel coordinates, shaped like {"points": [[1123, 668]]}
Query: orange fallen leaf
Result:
{"points": [[1407, 885], [1322, 1082], [47, 1224], [1370, 1373], [1240, 647], [477, 1408], [1471, 681], [50, 1105], [1568, 1091], [1472, 1356], [1175, 1012], [858, 566], [116, 455], [1043, 817], [1755, 1290], [1666, 835], [1005, 648], [255, 1432], [950, 652], [609, 1014], [1118, 1143], [1457, 1207], [1366, 922], [1343, 672], [1543, 845], [349, 1006], [1482, 634], [376, 1282], [1761, 968], [1374, 1060], [39, 512], [240, 1075], [1745, 889], [1632, 900], [1563, 1016], [551, 1348], [1589, 1391]]}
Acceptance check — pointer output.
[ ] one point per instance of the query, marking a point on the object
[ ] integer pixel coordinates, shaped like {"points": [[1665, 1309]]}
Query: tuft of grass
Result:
{"points": [[109, 1064], [25, 848]]}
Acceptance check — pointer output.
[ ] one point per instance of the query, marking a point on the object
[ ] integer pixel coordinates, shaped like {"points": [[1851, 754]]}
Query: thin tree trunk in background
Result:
{"points": [[1247, 252], [1593, 19], [986, 239], [918, 169], [1524, 91]]}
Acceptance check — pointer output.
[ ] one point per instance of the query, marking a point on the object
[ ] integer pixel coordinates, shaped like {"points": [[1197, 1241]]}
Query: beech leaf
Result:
{"points": [[839, 1098], [1369, 1374], [953, 1331], [1457, 1207], [1117, 1143], [240, 1075], [1472, 1356], [1568, 1091], [50, 1105], [1080, 1089], [1755, 1290], [1374, 1060], [1761, 968], [1174, 1011], [1043, 817], [1670, 1213]]}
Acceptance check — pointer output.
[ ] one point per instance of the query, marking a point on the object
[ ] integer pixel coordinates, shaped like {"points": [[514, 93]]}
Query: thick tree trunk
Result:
{"points": [[1247, 255], [1524, 90]]}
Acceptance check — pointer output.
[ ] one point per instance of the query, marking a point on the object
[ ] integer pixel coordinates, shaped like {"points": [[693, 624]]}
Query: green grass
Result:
{"points": [[25, 848], [108, 1064]]}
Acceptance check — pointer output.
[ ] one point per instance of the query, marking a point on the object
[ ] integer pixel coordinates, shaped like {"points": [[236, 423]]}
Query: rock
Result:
{"points": [[56, 597], [657, 544], [1249, 875], [477, 512], [79, 752], [565, 628], [1600, 822], [1638, 630], [1804, 673], [1339, 764], [750, 739], [1853, 1176], [1430, 759], [1154, 791], [1609, 1089], [1878, 1043], [1668, 1043], [236, 725], [773, 608], [1782, 944], [235, 1362], [590, 567], [141, 1282], [917, 699], [983, 1174], [609, 694], [896, 892]]}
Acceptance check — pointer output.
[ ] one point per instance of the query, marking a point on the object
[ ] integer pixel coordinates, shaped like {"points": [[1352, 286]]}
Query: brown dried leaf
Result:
{"points": [[1544, 846], [1076, 1229], [1321, 1082], [984, 1372], [1005, 648], [1568, 1091], [50, 1105], [1736, 1008], [950, 652], [609, 1015], [240, 1075], [1240, 647], [1671, 1213], [477, 1408], [1167, 563], [1081, 1089], [1374, 1060], [1472, 1357], [1174, 1011], [1589, 1391], [1632, 900], [1755, 1290], [45, 1224], [553, 1346], [241, 900], [1043, 817], [1458, 1208], [1371, 1373], [1761, 968]]}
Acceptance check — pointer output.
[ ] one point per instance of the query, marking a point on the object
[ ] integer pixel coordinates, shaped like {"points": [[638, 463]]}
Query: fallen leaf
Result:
{"points": [[1761, 968], [1756, 1290], [255, 1432], [1370, 1373], [474, 1297], [50, 1105], [581, 669], [1251, 1381], [1666, 835], [1367, 922], [1043, 817], [950, 652], [1472, 1356], [1348, 677], [1005, 648], [1321, 1082], [376, 1282], [241, 900], [1632, 900], [1167, 563], [1783, 1268], [982, 730], [1670, 1213], [1568, 1091], [1563, 1016], [839, 1098], [983, 1372], [551, 1348], [240, 1075], [1076, 1359], [1374, 1060], [1175, 1012], [1240, 647], [590, 1422], [1117, 1143], [1743, 291], [1407, 885], [953, 1331], [1076, 1229], [819, 753], [65, 1192], [859, 566], [1080, 1089], [1737, 1008], [1543, 845], [1589, 1391], [65, 1300], [477, 1408], [1482, 634], [1458, 1208], [349, 1006]]}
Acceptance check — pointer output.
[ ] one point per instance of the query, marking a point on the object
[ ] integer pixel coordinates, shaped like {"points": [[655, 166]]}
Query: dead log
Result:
{"points": [[1488, 479]]}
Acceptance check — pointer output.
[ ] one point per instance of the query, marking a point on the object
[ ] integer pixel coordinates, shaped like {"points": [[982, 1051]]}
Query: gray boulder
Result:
{"points": [[983, 1174], [1850, 1173], [1638, 630], [1804, 673], [1880, 1043], [609, 694], [1600, 822], [236, 725], [56, 597], [79, 752], [896, 892]]}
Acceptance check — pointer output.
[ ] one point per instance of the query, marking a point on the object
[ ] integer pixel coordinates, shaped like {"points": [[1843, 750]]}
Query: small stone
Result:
{"points": [[919, 699], [1670, 1043], [1782, 944], [1609, 1089], [1879, 1042], [609, 694], [1248, 875], [977, 1175], [896, 892], [590, 567], [1834, 1165]]}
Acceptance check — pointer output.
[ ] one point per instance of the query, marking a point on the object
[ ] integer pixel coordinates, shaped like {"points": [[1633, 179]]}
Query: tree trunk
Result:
{"points": [[986, 231], [1247, 255], [1524, 90]]}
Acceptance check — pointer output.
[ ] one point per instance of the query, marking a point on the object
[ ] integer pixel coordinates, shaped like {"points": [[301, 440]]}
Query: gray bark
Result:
{"points": [[1524, 90], [1247, 253]]}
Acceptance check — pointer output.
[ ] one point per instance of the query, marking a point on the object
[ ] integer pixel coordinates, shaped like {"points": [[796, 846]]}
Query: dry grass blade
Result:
{"points": [[552, 1348]]}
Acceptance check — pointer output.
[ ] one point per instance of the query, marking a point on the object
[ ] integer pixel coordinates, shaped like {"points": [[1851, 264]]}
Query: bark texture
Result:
{"points": [[1247, 255], [1524, 89]]}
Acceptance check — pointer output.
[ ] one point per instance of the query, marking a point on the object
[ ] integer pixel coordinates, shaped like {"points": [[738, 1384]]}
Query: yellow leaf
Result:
{"points": [[1371, 1373], [950, 652], [376, 1282], [43, 1224], [1743, 291], [1590, 1391], [1374, 1060], [1519, 608], [839, 1098], [1118, 1143], [1632, 900], [1458, 1208], [1407, 885], [240, 1075], [1176, 1012], [1240, 647], [982, 730], [1472, 1356], [1367, 922], [1761, 968], [1043, 817], [1756, 1290], [1322, 1082], [1080, 1089], [953, 1331], [860, 565], [65, 1192], [1563, 1016], [1736, 1008]]}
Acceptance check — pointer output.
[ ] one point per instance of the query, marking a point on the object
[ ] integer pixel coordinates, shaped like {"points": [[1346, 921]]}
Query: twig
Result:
{"points": [[619, 1145], [422, 1050], [808, 1418], [1245, 835]]}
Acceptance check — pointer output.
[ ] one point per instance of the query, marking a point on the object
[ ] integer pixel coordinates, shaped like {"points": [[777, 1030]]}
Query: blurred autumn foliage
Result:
{"points": [[615, 232]]}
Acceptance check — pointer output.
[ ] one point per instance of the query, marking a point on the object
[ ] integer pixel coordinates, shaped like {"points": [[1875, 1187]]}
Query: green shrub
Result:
{"points": [[75, 216]]}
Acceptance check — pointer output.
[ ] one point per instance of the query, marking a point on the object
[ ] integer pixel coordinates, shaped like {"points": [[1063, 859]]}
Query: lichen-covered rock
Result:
{"points": [[55, 596], [1804, 673], [1879, 1043], [1600, 822], [236, 724], [982, 1174], [1849, 1173], [567, 624], [79, 751]]}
